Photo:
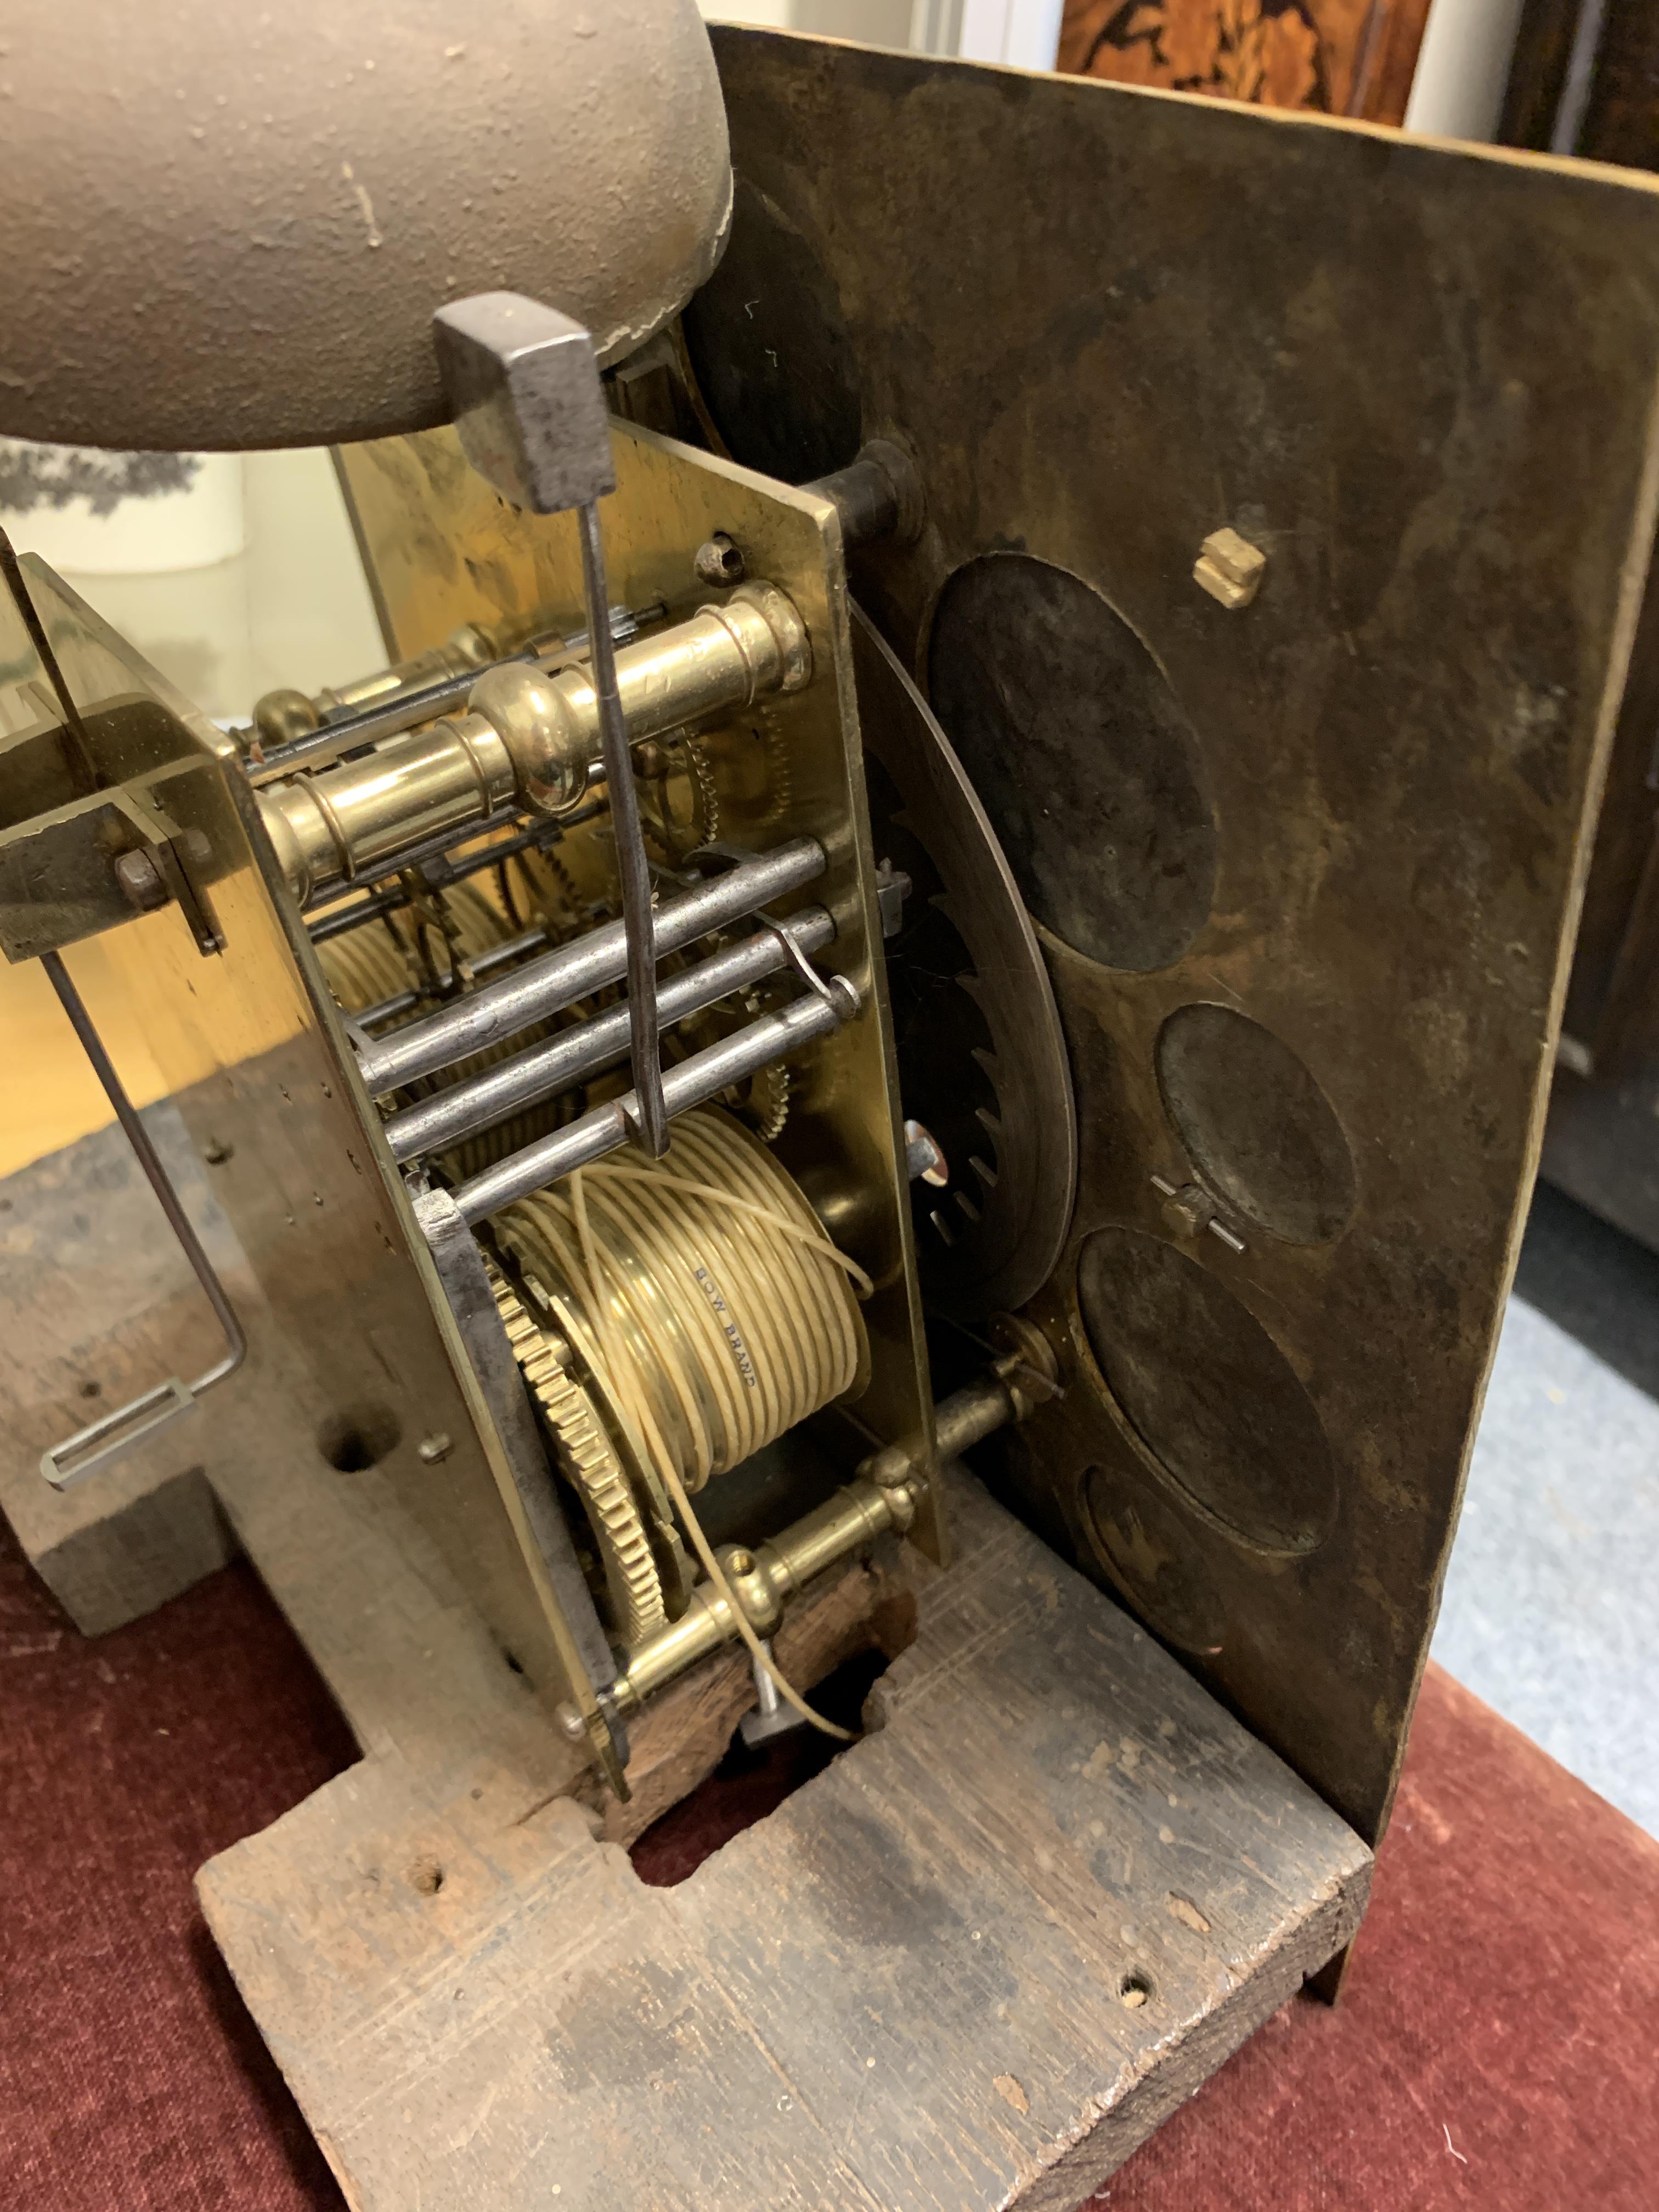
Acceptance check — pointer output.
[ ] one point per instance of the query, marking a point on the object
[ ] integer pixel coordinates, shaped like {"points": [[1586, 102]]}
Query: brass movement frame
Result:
{"points": [[445, 550], [307, 1179]]}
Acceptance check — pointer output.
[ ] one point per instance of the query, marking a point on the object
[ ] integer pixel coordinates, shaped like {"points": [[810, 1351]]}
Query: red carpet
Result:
{"points": [[1499, 2045]]}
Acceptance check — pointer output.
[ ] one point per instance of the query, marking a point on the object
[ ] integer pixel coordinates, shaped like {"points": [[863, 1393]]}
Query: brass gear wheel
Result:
{"points": [[685, 759], [706, 793], [550, 886], [779, 784], [589, 1460], [765, 1107]]}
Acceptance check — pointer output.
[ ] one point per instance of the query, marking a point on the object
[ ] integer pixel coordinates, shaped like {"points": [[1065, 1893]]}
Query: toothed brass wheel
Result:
{"points": [[589, 1462], [981, 1058]]}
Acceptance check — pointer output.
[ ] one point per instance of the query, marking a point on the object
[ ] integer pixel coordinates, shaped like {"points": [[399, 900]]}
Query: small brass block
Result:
{"points": [[1230, 568]]}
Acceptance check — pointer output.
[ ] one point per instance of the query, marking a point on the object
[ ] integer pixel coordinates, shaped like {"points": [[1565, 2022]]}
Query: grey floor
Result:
{"points": [[1551, 1611]]}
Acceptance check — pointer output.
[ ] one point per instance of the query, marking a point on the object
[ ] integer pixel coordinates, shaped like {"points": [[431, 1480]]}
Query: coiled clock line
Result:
{"points": [[707, 1283], [721, 1314]]}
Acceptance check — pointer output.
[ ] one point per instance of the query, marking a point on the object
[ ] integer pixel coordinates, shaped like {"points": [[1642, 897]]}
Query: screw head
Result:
{"points": [[1187, 1207], [570, 1724], [141, 881], [924, 1158], [434, 1448]]}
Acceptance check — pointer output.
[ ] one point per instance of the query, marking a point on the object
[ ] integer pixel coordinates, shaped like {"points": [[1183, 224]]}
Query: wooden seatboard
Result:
{"points": [[904, 1989]]}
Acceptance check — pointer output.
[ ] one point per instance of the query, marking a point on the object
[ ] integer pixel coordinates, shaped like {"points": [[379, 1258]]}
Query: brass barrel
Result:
{"points": [[330, 830], [530, 737], [281, 716]]}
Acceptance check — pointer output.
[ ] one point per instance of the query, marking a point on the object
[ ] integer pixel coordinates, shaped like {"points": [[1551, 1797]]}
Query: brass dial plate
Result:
{"points": [[1349, 816]]}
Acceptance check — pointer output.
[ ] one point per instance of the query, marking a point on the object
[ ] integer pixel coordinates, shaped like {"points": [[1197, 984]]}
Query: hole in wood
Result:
{"points": [[359, 1438], [1135, 1989], [426, 1876], [747, 1785], [92, 1390]]}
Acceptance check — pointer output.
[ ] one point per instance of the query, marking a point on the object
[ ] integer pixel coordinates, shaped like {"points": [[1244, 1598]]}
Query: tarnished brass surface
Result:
{"points": [[319, 1210], [1345, 822], [530, 737], [445, 550], [591, 1464]]}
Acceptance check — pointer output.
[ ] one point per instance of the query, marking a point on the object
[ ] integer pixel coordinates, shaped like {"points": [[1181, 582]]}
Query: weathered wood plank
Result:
{"points": [[97, 1304], [905, 1988]]}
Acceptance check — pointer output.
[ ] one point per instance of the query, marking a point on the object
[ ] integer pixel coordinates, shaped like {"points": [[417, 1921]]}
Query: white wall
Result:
{"points": [[1462, 68], [766, 15], [312, 621], [246, 580], [871, 22], [1024, 32]]}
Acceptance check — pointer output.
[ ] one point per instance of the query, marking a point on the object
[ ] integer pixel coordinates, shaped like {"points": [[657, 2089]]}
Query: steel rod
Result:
{"points": [[543, 1071], [330, 925], [605, 1129], [78, 760], [443, 872], [485, 964], [403, 1002], [53, 1462], [632, 865], [555, 981], [504, 955], [366, 726], [322, 747], [422, 855]]}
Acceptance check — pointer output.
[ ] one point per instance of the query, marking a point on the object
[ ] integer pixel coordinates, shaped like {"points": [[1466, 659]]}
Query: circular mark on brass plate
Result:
{"points": [[1207, 1391], [1080, 750], [1147, 1549], [770, 344], [1255, 1124]]}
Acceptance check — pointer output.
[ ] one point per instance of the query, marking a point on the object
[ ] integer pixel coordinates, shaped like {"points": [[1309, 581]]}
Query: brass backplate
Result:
{"points": [[1306, 869], [444, 550]]}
